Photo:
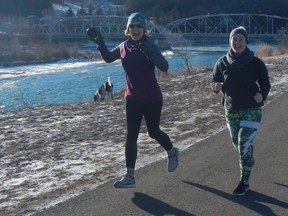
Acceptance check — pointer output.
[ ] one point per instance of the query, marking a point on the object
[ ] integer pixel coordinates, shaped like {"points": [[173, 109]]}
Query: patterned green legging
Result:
{"points": [[242, 127]]}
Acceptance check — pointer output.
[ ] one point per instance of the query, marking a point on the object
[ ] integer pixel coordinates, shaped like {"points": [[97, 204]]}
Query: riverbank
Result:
{"points": [[51, 153], [41, 52]]}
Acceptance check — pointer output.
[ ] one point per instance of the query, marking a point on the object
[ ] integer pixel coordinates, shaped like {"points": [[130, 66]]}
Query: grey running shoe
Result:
{"points": [[241, 189], [173, 161], [125, 182]]}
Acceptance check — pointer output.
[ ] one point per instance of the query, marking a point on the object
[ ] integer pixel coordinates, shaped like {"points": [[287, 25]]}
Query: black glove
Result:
{"points": [[145, 49], [95, 35]]}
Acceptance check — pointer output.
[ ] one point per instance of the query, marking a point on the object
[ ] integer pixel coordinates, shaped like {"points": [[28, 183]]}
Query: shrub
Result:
{"points": [[263, 50]]}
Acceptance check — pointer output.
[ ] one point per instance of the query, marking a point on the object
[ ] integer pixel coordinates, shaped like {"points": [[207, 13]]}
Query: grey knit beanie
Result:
{"points": [[239, 30]]}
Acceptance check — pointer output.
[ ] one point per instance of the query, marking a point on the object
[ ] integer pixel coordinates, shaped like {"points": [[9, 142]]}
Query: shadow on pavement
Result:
{"points": [[252, 200], [281, 184], [156, 207]]}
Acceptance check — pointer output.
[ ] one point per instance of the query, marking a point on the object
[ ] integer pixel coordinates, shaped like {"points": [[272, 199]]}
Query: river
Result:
{"points": [[76, 80]]}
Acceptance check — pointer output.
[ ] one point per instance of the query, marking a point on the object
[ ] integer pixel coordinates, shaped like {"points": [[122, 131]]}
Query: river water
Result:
{"points": [[77, 80]]}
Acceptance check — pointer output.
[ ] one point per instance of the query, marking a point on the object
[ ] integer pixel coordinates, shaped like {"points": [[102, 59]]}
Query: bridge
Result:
{"points": [[218, 27], [197, 29], [111, 27]]}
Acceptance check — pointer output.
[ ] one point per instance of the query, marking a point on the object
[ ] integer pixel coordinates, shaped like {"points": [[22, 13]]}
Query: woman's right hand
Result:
{"points": [[95, 35]]}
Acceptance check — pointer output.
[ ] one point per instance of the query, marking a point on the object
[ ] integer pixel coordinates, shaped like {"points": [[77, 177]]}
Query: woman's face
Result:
{"points": [[238, 43], [136, 31]]}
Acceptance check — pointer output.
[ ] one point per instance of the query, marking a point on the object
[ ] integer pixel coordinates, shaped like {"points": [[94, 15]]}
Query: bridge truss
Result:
{"points": [[224, 23], [213, 28], [110, 26]]}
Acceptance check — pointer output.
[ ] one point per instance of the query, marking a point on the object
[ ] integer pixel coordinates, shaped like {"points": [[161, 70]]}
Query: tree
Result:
{"points": [[24, 7], [69, 13]]}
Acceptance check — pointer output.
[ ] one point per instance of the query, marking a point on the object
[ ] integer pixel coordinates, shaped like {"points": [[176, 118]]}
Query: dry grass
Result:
{"points": [[265, 50]]}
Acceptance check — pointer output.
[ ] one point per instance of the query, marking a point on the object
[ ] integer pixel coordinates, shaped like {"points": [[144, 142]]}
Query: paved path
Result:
{"points": [[204, 180]]}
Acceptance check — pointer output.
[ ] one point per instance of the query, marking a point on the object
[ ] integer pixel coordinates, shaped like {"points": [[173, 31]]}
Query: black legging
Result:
{"points": [[152, 113]]}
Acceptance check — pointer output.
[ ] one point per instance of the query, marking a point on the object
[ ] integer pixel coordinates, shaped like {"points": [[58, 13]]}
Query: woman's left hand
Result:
{"points": [[145, 49]]}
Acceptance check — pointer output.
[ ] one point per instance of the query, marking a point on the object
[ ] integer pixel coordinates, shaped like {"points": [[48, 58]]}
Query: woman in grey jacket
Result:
{"points": [[244, 82], [139, 57]]}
